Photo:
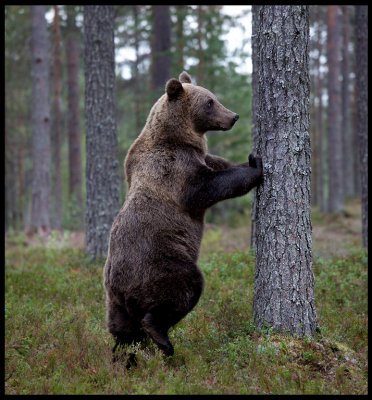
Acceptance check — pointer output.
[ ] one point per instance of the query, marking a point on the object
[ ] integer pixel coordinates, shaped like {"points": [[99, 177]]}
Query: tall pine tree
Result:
{"points": [[102, 166], [41, 157], [284, 281]]}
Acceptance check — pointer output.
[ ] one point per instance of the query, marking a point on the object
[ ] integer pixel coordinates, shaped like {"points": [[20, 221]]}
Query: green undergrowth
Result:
{"points": [[57, 343]]}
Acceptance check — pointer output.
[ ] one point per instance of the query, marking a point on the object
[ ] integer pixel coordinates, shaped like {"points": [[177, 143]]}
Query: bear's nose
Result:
{"points": [[236, 117]]}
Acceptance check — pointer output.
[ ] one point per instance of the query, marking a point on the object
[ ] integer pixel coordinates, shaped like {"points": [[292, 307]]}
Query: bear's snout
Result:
{"points": [[234, 119]]}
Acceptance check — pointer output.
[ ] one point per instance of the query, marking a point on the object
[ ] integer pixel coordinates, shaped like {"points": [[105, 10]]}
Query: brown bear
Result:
{"points": [[151, 277]]}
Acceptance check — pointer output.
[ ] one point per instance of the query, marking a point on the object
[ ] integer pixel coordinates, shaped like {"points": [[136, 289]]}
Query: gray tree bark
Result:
{"points": [[200, 50], [102, 173], [255, 100], [41, 157], [313, 141], [160, 47], [356, 169], [348, 153], [284, 281], [57, 128], [361, 50], [180, 37], [74, 133], [137, 83], [335, 168], [319, 148]]}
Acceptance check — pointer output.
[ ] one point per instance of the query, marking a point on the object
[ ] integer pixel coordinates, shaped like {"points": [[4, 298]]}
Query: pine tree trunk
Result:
{"points": [[137, 83], [335, 169], [21, 185], [200, 50], [255, 100], [313, 141], [41, 157], [358, 190], [57, 215], [361, 50], [348, 153], [74, 134], [284, 281], [319, 147], [9, 182], [160, 49], [181, 15], [103, 184]]}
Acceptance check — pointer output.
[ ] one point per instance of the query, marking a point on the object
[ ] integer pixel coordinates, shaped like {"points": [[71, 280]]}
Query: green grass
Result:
{"points": [[57, 343]]}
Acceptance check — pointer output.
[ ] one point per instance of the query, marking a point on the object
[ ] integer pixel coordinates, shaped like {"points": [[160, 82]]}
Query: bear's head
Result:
{"points": [[198, 105]]}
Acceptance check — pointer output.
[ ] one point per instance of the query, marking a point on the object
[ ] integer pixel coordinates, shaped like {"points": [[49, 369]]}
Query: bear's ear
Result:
{"points": [[185, 77], [173, 89]]}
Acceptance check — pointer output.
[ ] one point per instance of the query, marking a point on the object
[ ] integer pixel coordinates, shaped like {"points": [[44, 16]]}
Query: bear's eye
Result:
{"points": [[210, 103]]}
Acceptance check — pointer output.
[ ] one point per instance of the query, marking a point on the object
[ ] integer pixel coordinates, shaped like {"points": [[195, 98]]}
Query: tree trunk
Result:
{"points": [[103, 184], [354, 112], [358, 191], [160, 49], [313, 141], [255, 100], [137, 83], [21, 185], [348, 153], [335, 170], [284, 281], [9, 182], [74, 134], [41, 158], [57, 215], [319, 147], [361, 50], [200, 50], [181, 15]]}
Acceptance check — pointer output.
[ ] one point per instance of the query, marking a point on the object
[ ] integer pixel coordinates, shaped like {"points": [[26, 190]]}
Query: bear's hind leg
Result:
{"points": [[157, 329], [175, 305], [124, 329]]}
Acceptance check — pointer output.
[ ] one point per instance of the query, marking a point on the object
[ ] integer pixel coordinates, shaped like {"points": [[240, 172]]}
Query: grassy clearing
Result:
{"points": [[56, 340]]}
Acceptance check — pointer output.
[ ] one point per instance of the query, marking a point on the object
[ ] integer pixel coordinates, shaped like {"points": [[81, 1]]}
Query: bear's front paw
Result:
{"points": [[259, 164], [255, 162], [252, 161]]}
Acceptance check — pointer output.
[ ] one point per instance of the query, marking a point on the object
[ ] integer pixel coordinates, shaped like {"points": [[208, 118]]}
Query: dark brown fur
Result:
{"points": [[151, 277]]}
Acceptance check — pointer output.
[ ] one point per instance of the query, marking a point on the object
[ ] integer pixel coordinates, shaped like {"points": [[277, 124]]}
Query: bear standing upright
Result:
{"points": [[150, 276]]}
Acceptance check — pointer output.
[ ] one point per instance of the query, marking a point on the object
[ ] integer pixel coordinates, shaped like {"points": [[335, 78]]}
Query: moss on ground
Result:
{"points": [[56, 341]]}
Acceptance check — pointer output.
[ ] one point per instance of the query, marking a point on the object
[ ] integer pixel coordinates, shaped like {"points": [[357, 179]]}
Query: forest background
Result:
{"points": [[186, 37], [162, 41]]}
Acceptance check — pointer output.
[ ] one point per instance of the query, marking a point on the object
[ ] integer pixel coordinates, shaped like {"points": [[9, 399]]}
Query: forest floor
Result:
{"points": [[334, 235], [56, 340]]}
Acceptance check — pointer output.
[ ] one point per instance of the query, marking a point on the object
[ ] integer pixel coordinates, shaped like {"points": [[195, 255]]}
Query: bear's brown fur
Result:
{"points": [[150, 276]]}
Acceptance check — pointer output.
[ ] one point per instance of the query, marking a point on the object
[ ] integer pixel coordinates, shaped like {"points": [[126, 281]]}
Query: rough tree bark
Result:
{"points": [[160, 47], [74, 134], [356, 169], [9, 180], [335, 169], [361, 50], [102, 172], [200, 49], [181, 15], [313, 140], [41, 157], [319, 148], [348, 153], [137, 83], [57, 87], [284, 281], [255, 17]]}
